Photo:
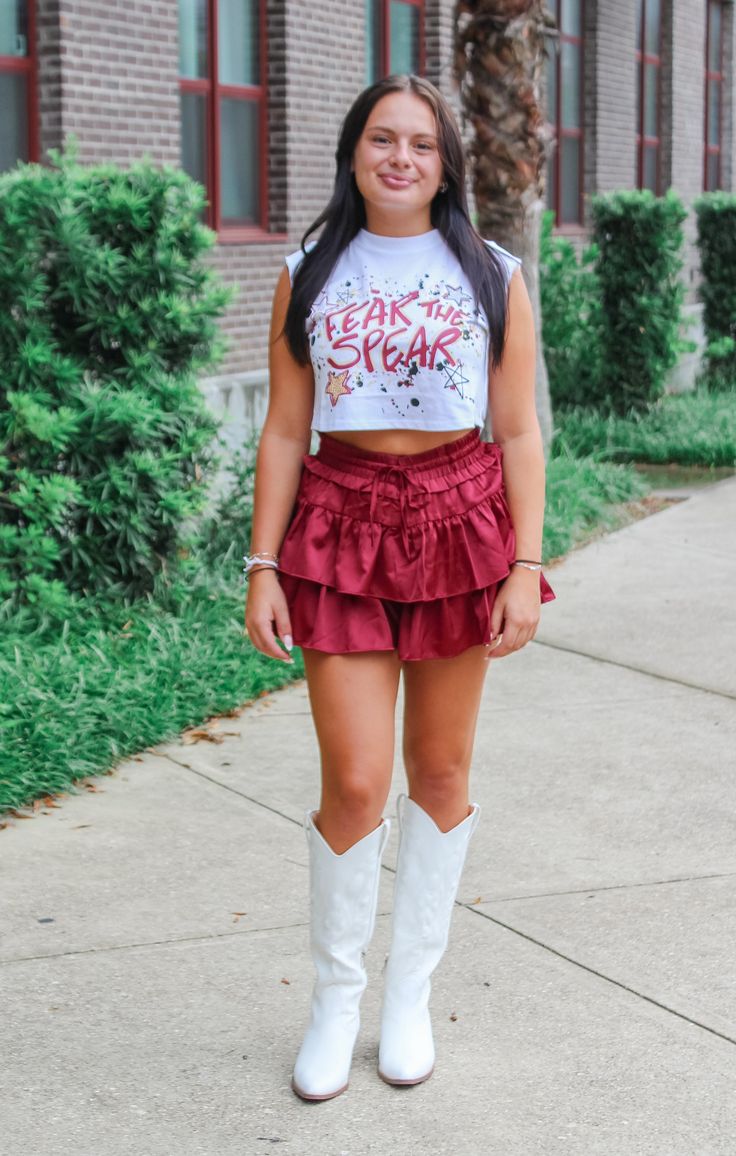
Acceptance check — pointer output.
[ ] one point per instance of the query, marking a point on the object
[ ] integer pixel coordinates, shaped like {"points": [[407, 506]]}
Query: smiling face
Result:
{"points": [[397, 165]]}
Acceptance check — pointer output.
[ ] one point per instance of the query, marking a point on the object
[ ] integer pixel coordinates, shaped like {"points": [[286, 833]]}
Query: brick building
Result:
{"points": [[248, 94]]}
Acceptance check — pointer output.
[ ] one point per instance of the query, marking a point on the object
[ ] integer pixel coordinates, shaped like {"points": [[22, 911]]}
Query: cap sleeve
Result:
{"points": [[510, 262], [294, 260]]}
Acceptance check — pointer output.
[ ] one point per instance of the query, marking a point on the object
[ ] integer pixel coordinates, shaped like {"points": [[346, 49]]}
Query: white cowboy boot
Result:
{"points": [[430, 863], [343, 900]]}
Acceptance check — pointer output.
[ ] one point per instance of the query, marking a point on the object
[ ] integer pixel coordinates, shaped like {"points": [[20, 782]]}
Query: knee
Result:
{"points": [[435, 777], [356, 793], [351, 806]]}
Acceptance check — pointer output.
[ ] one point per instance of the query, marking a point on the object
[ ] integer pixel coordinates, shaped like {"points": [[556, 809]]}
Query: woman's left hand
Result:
{"points": [[516, 612]]}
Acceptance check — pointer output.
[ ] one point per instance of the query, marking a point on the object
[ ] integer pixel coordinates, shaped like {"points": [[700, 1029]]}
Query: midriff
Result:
{"points": [[397, 441]]}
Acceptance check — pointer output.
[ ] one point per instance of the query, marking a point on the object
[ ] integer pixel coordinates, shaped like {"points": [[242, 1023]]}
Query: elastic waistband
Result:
{"points": [[336, 453]]}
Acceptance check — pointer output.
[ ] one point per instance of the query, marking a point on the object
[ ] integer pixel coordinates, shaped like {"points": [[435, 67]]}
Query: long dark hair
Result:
{"points": [[344, 216]]}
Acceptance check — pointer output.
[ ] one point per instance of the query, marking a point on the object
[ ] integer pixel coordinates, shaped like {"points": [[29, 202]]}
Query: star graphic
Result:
{"points": [[456, 379], [337, 386], [456, 294]]}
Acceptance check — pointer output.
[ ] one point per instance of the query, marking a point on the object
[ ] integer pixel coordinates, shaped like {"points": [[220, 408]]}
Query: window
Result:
{"points": [[713, 95], [18, 120], [564, 111], [648, 61], [223, 109], [394, 37]]}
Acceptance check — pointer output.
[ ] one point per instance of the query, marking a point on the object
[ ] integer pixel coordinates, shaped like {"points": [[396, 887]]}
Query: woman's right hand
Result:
{"points": [[265, 607]]}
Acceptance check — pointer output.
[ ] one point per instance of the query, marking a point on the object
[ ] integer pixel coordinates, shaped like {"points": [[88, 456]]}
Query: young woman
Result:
{"points": [[405, 544]]}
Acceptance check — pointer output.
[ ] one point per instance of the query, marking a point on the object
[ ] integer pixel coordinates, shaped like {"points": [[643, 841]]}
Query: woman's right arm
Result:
{"points": [[284, 440]]}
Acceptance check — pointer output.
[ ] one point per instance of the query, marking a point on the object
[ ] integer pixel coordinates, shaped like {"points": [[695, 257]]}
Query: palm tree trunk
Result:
{"points": [[500, 67]]}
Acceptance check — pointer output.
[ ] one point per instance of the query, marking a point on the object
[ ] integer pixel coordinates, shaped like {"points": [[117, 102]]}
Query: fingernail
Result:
{"points": [[288, 641]]}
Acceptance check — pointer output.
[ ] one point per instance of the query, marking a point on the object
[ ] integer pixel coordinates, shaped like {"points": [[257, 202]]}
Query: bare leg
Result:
{"points": [[353, 700], [441, 702]]}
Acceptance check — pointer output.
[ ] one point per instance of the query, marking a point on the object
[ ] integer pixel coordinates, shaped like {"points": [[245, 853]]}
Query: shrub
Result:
{"points": [[716, 220], [107, 313], [639, 238], [570, 301]]}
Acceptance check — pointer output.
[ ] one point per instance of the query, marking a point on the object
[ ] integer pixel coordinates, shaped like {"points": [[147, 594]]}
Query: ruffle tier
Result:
{"points": [[335, 623], [401, 534]]}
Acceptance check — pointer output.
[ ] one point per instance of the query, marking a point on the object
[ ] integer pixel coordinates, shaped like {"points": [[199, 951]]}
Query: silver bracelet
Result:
{"points": [[528, 565]]}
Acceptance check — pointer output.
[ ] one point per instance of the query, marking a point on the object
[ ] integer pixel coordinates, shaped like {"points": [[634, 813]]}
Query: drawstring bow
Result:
{"points": [[413, 495]]}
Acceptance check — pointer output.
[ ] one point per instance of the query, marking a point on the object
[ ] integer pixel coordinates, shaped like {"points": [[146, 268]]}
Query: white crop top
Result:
{"points": [[395, 339]]}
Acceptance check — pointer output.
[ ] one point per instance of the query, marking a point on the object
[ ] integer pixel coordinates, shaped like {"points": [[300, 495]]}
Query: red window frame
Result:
{"points": [[210, 87], [29, 66], [642, 141], [560, 132], [710, 150], [383, 10]]}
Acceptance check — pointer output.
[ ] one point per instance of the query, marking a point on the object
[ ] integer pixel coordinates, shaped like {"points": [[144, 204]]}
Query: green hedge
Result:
{"points": [[716, 221], [639, 239], [571, 318], [107, 314]]}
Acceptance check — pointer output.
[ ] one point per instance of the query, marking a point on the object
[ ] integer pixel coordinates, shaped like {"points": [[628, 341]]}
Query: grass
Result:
{"points": [[696, 428], [112, 681], [584, 497]]}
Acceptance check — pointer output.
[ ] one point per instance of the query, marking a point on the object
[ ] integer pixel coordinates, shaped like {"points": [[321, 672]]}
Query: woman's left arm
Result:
{"points": [[515, 426]]}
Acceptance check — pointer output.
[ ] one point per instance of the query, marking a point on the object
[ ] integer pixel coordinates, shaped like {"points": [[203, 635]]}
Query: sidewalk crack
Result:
{"points": [[601, 975], [612, 887], [132, 945], [727, 694]]}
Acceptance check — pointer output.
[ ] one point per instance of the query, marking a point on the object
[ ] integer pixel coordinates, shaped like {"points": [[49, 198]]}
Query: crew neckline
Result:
{"points": [[416, 243]]}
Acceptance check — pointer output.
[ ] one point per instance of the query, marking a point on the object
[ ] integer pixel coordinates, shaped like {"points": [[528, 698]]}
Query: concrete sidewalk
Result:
{"points": [[154, 965]]}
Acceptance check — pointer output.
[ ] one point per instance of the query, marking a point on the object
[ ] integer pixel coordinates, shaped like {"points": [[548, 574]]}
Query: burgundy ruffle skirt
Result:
{"points": [[398, 552]]}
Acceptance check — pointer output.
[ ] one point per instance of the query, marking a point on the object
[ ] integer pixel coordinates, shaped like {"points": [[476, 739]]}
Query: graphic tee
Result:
{"points": [[395, 338]]}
